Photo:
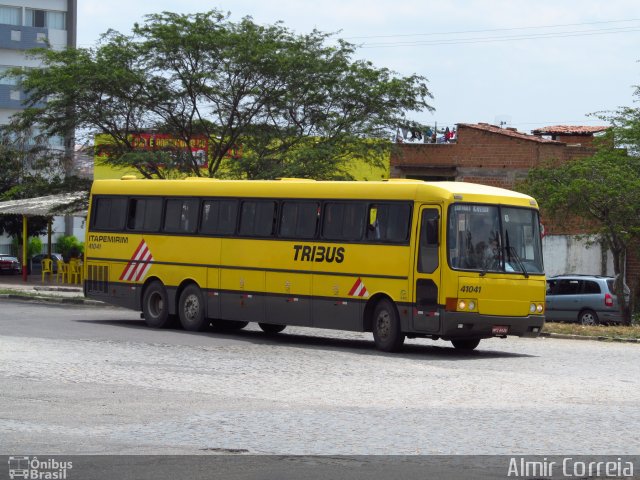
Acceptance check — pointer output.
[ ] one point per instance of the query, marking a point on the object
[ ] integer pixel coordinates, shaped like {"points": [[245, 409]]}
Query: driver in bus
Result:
{"points": [[484, 253]]}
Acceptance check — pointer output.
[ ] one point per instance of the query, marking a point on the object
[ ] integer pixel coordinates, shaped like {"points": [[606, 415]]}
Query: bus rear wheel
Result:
{"points": [[386, 329], [271, 327], [467, 344], [155, 305], [191, 309]]}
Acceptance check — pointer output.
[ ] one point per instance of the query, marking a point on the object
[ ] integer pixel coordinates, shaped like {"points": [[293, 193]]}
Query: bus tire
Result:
{"points": [[271, 328], [385, 326], [155, 305], [191, 309], [466, 344]]}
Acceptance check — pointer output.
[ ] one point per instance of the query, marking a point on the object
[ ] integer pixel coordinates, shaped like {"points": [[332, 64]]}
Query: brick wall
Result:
{"points": [[495, 153]]}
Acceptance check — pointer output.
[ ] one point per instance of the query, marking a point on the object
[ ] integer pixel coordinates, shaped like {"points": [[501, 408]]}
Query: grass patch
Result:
{"points": [[632, 331]]}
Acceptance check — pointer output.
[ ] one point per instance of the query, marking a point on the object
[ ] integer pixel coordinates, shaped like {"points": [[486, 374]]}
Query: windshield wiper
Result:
{"points": [[512, 251]]}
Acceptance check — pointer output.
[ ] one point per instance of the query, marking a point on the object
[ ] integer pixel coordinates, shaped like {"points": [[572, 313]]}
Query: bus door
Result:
{"points": [[426, 316]]}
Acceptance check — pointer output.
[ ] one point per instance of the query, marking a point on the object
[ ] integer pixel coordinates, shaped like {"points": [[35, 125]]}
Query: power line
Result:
{"points": [[506, 38], [493, 29]]}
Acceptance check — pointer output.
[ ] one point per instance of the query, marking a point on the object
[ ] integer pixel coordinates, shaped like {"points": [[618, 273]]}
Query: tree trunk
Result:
{"points": [[619, 268]]}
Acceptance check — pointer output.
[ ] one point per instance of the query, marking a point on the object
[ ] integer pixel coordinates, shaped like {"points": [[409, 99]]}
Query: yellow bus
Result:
{"points": [[399, 258]]}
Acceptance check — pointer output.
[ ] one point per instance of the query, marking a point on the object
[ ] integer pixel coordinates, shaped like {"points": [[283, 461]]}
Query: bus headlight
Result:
{"points": [[536, 308], [539, 308], [532, 308], [467, 305], [461, 304]]}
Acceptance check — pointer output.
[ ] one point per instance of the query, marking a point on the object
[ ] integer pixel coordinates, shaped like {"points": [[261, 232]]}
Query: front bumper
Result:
{"points": [[473, 325]]}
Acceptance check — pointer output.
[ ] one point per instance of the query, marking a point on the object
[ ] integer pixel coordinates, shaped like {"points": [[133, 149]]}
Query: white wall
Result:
{"points": [[57, 230], [568, 254]]}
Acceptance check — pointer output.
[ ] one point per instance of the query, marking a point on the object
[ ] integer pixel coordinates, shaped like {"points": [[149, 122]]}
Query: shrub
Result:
{"points": [[69, 246]]}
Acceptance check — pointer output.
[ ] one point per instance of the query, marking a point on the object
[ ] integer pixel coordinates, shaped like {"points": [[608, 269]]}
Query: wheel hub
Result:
{"points": [[156, 304], [191, 307], [383, 323]]}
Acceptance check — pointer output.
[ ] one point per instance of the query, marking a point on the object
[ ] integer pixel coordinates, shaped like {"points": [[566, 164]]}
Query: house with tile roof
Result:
{"points": [[484, 153], [571, 134]]}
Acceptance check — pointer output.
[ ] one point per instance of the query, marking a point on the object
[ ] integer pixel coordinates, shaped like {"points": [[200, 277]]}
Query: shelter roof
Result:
{"points": [[74, 203]]}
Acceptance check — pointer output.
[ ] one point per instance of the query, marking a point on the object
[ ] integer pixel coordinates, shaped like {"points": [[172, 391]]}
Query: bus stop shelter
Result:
{"points": [[73, 203]]}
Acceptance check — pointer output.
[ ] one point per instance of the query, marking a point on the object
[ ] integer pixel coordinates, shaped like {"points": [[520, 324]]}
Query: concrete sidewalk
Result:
{"points": [[12, 286]]}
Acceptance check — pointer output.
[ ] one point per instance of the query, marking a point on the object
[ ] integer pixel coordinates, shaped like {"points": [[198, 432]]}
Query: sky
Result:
{"points": [[528, 63]]}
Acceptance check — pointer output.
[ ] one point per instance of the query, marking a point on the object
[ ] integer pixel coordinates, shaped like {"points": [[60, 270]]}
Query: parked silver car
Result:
{"points": [[587, 299]]}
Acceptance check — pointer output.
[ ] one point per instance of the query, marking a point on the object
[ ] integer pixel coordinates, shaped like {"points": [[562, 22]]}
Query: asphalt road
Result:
{"points": [[78, 380]]}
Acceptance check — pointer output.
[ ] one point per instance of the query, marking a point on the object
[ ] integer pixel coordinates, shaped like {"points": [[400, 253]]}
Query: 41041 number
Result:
{"points": [[471, 289]]}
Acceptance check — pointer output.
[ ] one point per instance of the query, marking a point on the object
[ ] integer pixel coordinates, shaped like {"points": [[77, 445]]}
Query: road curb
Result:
{"points": [[63, 300], [601, 338]]}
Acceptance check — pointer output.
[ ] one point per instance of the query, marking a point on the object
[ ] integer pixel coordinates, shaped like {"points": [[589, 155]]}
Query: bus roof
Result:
{"points": [[394, 189]]}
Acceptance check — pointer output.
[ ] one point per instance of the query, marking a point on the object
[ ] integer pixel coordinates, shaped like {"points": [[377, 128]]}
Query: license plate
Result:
{"points": [[500, 329]]}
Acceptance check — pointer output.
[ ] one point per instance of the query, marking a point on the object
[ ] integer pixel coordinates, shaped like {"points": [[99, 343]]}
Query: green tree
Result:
{"points": [[296, 105], [32, 169], [604, 191]]}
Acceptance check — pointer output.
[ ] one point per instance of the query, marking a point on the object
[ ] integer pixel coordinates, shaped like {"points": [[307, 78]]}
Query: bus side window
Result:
{"points": [[373, 226], [428, 245], [109, 213], [219, 217], [145, 214], [388, 222], [180, 215], [343, 221], [299, 220], [257, 218]]}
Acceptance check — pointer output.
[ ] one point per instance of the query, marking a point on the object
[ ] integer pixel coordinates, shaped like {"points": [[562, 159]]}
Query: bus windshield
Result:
{"points": [[492, 238]]}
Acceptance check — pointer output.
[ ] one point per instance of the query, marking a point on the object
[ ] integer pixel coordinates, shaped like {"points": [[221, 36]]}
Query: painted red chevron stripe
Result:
{"points": [[358, 289], [139, 264]]}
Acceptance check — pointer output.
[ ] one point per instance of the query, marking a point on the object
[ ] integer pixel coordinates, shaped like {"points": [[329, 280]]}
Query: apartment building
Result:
{"points": [[24, 25]]}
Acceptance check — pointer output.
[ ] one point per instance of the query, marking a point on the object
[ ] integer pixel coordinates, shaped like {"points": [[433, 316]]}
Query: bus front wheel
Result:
{"points": [[465, 343], [155, 305], [191, 309], [387, 332]]}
